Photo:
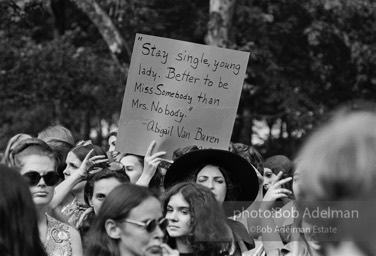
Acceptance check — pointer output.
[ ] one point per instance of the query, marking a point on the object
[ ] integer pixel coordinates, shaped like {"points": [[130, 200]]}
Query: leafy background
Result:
{"points": [[307, 59]]}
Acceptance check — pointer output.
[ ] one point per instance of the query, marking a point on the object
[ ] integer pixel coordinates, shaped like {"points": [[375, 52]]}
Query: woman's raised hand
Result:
{"points": [[260, 178], [275, 191], [91, 165], [151, 161]]}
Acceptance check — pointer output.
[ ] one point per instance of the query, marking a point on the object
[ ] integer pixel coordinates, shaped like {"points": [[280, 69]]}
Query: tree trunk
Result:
{"points": [[58, 12], [270, 123], [99, 141], [220, 23], [85, 125], [117, 45], [219, 34], [290, 141], [246, 131]]}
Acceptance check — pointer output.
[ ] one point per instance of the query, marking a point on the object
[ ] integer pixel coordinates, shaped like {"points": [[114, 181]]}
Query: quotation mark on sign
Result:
{"points": [[139, 38]]}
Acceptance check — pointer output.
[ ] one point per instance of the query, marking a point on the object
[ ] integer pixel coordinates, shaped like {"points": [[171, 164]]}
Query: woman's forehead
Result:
{"points": [[37, 163], [210, 170], [178, 200], [71, 157], [150, 208]]}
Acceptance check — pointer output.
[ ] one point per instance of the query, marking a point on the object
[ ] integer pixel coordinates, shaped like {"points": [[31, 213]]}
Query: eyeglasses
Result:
{"points": [[50, 178], [112, 166], [150, 225]]}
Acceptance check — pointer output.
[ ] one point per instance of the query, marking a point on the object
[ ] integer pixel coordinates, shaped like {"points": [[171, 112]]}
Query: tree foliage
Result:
{"points": [[306, 59], [54, 81]]}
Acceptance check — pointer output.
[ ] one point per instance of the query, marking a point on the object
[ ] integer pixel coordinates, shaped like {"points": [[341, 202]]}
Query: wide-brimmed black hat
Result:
{"points": [[241, 173]]}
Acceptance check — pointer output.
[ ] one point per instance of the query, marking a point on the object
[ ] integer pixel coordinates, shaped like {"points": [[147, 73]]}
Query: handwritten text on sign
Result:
{"points": [[179, 94]]}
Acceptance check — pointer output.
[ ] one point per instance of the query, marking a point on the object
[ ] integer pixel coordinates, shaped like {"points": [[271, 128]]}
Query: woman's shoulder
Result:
{"points": [[53, 223], [63, 234], [241, 235], [289, 248], [56, 224], [58, 237], [240, 230]]}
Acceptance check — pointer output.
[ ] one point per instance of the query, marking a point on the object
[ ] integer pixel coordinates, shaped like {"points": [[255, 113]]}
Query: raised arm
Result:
{"points": [[87, 166], [151, 162], [271, 238]]}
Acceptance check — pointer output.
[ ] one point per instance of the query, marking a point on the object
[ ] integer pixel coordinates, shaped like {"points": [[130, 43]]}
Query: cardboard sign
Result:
{"points": [[179, 94]]}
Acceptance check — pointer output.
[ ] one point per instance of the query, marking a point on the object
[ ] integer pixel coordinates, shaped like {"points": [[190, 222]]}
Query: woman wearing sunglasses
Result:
{"points": [[37, 163], [197, 223], [130, 223]]}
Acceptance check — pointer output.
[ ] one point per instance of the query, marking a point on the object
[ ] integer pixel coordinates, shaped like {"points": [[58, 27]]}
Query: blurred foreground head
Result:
{"points": [[336, 170], [19, 234], [120, 227]]}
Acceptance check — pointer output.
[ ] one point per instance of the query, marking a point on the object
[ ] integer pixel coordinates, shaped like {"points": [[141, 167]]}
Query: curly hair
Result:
{"points": [[208, 233], [231, 191], [250, 154]]}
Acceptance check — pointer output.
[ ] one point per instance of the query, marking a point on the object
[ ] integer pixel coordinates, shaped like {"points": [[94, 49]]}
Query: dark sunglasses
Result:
{"points": [[150, 225], [50, 178]]}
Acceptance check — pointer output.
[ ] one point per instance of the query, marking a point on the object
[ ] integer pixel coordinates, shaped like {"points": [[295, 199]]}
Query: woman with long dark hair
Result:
{"points": [[230, 177], [197, 224], [19, 234], [130, 223]]}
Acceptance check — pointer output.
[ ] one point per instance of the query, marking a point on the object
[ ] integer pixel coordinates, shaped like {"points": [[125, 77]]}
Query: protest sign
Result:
{"points": [[179, 94]]}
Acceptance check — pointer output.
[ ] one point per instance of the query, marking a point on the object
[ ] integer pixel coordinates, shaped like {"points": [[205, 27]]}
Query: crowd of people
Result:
{"points": [[59, 197]]}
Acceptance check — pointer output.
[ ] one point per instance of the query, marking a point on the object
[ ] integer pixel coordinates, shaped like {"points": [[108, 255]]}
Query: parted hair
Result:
{"points": [[209, 234], [117, 206]]}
